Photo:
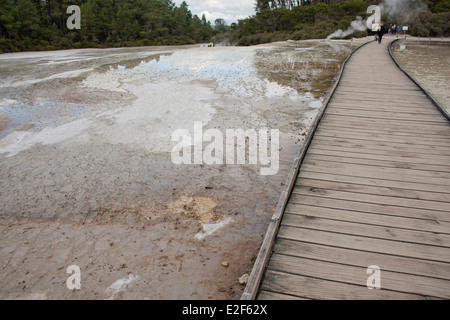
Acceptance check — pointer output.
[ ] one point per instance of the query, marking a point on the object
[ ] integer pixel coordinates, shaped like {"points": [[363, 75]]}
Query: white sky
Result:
{"points": [[229, 10]]}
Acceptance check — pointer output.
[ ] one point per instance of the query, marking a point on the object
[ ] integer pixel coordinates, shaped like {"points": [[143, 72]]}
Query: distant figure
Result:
{"points": [[211, 45], [398, 30], [380, 33], [394, 29]]}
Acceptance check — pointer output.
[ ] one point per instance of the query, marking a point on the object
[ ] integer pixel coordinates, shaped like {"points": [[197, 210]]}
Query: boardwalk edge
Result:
{"points": [[253, 284], [432, 99]]}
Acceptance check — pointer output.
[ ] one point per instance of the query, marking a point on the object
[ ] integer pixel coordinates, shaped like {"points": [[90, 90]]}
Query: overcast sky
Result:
{"points": [[229, 10]]}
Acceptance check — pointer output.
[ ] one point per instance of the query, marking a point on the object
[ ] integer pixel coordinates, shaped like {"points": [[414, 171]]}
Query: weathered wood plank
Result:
{"points": [[400, 125], [381, 100], [404, 249], [379, 163], [384, 146], [438, 270], [368, 218], [406, 91], [370, 207], [319, 289], [377, 115], [365, 230], [400, 282], [380, 150], [374, 182], [381, 173], [400, 171], [413, 141], [373, 198], [401, 109], [269, 295], [387, 132], [348, 152], [368, 189]]}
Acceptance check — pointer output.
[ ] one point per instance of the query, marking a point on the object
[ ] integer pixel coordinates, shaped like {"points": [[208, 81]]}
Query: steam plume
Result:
{"points": [[357, 25], [403, 11]]}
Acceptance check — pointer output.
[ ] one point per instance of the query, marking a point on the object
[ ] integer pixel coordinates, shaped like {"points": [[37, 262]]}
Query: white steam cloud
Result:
{"points": [[403, 11], [357, 25]]}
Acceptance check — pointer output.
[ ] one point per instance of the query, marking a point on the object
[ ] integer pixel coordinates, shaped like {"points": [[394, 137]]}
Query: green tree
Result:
{"points": [[220, 25], [28, 16], [9, 26]]}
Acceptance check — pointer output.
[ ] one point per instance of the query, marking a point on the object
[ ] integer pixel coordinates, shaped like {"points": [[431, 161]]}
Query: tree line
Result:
{"points": [[278, 20], [41, 24]]}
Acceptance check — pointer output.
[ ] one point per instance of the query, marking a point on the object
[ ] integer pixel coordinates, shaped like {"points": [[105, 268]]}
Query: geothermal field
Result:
{"points": [[87, 176], [429, 63]]}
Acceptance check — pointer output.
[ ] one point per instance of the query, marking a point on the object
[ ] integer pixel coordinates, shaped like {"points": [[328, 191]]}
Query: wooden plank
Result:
{"points": [[406, 98], [365, 230], [373, 148], [371, 114], [315, 288], [404, 249], [268, 295], [343, 113], [382, 138], [380, 163], [368, 189], [374, 182], [407, 95], [350, 153], [400, 125], [400, 103], [377, 145], [423, 123], [390, 132], [400, 282], [400, 130], [374, 98], [406, 92], [371, 104], [409, 129], [404, 85], [388, 111], [378, 87], [373, 198], [421, 158], [400, 109], [403, 99], [393, 263], [368, 218], [370, 207], [379, 173], [418, 115]]}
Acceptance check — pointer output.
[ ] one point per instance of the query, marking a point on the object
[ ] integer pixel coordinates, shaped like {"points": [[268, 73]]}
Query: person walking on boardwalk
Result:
{"points": [[380, 33]]}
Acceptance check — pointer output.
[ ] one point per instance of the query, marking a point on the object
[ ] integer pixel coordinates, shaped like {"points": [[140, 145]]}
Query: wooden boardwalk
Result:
{"points": [[373, 189]]}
